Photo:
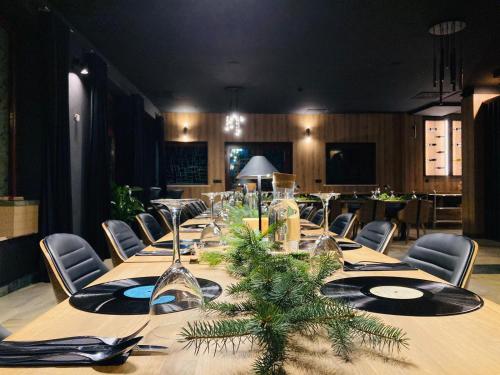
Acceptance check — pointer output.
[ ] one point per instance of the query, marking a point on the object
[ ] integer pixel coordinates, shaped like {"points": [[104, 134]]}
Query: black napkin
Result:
{"points": [[400, 266]]}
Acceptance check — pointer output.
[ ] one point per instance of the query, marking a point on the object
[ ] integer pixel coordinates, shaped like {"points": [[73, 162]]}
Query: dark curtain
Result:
{"points": [[149, 153], [160, 128], [55, 202], [129, 143], [96, 189], [488, 121]]}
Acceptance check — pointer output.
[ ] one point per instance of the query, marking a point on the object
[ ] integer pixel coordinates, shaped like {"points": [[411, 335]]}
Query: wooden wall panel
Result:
{"points": [[399, 155]]}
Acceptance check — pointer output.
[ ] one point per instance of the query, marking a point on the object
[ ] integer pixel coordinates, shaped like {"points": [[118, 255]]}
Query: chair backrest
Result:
{"points": [[425, 211], [376, 235], [165, 219], [318, 217], [174, 193], [150, 229], [305, 212], [122, 241], [409, 214], [342, 224], [3, 333], [71, 262], [312, 213], [447, 256], [154, 192]]}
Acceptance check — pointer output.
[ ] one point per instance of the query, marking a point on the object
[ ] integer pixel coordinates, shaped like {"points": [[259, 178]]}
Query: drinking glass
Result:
{"points": [[177, 289], [325, 243], [211, 234]]}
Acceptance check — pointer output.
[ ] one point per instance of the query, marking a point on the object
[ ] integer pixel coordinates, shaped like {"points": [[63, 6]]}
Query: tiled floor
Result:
{"points": [[22, 306]]}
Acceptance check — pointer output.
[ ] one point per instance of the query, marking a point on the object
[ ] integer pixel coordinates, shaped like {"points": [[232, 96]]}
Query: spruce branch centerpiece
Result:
{"points": [[278, 297]]}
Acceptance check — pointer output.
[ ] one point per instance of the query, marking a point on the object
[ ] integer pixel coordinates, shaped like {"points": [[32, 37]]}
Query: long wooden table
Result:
{"points": [[460, 344]]}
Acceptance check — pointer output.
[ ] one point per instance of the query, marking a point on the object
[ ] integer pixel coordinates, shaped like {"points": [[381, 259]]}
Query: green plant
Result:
{"points": [[124, 206], [238, 213], [278, 297]]}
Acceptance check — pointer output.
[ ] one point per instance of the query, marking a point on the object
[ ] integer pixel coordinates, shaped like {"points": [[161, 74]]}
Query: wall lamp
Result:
{"points": [[185, 130], [308, 132]]}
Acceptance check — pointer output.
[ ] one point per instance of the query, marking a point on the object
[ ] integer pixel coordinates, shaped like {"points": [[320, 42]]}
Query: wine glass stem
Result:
{"points": [[325, 216], [175, 222], [212, 209]]}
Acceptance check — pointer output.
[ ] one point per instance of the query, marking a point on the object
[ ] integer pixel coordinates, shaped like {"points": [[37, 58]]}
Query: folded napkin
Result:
{"points": [[77, 351], [400, 266], [349, 245]]}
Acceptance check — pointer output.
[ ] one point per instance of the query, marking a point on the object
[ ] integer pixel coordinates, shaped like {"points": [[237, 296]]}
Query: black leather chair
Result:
{"points": [[318, 217], [3, 333], [447, 256], [343, 224], [376, 235], [174, 193], [122, 241], [165, 219], [71, 262], [306, 212], [150, 229]]}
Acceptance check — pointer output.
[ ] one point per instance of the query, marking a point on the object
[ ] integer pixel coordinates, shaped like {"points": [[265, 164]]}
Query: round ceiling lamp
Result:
{"points": [[234, 119]]}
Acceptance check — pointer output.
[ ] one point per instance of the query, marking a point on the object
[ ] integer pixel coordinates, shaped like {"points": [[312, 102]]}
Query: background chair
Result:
{"points": [[318, 217], [174, 193], [343, 224], [150, 229], [165, 219], [122, 241], [416, 213], [71, 262], [3, 333], [447, 256], [376, 235], [306, 212]]}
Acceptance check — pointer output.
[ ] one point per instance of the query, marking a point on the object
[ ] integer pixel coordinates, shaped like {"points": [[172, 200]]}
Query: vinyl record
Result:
{"points": [[402, 296], [128, 296]]}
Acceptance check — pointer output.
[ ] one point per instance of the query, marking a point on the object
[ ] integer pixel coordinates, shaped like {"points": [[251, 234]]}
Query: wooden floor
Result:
{"points": [[22, 306]]}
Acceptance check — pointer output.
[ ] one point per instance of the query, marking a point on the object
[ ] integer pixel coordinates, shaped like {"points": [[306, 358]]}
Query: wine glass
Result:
{"points": [[177, 289], [211, 234], [325, 243]]}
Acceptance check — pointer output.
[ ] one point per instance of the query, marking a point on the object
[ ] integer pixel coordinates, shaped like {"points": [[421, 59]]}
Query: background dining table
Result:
{"points": [[459, 344]]}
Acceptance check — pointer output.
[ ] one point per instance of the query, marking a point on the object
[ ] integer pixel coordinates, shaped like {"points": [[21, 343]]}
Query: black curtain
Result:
{"points": [[96, 189], [129, 142], [55, 202], [488, 121], [160, 129], [149, 153]]}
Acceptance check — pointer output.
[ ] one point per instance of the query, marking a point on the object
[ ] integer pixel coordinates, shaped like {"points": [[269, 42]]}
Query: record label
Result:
{"points": [[402, 296], [131, 296]]}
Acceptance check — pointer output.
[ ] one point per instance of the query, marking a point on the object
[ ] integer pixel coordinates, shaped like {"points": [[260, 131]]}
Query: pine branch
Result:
{"points": [[218, 334], [229, 309], [378, 335]]}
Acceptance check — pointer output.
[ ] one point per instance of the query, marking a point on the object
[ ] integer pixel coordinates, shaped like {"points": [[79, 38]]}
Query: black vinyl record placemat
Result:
{"points": [[128, 296], [402, 296]]}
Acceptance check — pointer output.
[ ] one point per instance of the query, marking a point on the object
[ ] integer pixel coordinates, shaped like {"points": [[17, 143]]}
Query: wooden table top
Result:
{"points": [[460, 344]]}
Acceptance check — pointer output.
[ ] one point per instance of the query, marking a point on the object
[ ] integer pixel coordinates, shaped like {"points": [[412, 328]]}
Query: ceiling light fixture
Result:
{"points": [[84, 71], [447, 55], [234, 120]]}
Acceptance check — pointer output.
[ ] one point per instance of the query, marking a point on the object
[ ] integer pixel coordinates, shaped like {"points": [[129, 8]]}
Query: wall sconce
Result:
{"points": [[185, 130], [308, 132]]}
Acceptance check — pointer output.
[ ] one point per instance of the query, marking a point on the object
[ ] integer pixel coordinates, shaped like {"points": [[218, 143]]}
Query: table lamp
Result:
{"points": [[258, 167]]}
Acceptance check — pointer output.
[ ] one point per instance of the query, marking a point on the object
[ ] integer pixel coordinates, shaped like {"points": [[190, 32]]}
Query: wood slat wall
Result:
{"points": [[399, 155]]}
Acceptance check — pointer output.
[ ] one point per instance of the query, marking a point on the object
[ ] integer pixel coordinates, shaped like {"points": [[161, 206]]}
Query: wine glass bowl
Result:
{"points": [[325, 244], [176, 289], [211, 234]]}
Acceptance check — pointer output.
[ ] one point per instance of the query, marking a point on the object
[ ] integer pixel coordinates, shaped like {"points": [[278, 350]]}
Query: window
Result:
{"points": [[443, 147], [186, 163], [351, 163]]}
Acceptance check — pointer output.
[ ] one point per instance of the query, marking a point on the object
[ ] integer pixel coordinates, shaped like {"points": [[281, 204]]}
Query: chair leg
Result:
{"points": [[407, 233], [418, 231]]}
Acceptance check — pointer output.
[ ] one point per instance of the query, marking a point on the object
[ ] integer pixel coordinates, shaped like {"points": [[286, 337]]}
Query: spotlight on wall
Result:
{"points": [[308, 132]]}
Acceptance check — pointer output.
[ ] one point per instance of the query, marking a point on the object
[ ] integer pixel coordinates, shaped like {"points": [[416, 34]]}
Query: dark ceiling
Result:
{"points": [[342, 55]]}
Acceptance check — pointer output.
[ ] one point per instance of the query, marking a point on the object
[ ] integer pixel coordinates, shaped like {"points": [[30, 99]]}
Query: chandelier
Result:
{"points": [[447, 55], [234, 120]]}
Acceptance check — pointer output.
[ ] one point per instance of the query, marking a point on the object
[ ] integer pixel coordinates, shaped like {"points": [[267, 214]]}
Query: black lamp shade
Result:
{"points": [[257, 166]]}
